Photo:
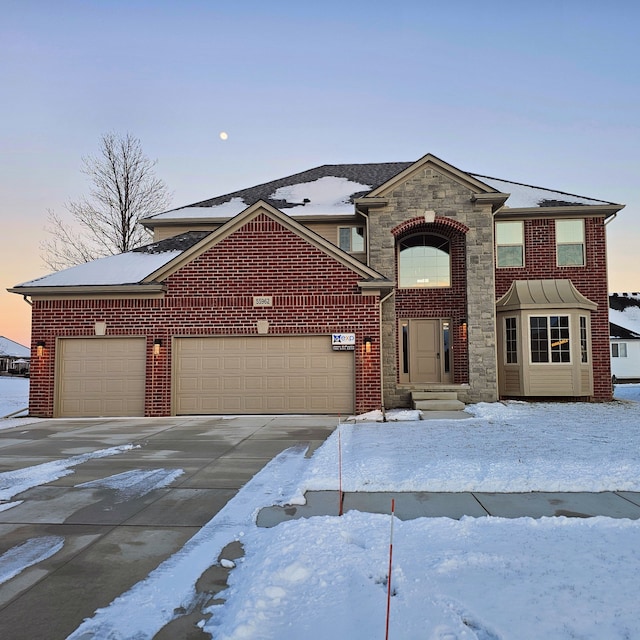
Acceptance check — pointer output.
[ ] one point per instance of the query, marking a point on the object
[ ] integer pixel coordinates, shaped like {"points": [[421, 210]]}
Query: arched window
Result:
{"points": [[424, 261]]}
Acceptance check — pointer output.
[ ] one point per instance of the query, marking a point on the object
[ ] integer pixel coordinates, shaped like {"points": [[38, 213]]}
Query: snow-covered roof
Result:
{"points": [[331, 190], [11, 349], [328, 195], [126, 268], [524, 196], [624, 311]]}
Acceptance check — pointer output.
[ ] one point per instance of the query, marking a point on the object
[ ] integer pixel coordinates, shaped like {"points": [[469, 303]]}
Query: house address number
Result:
{"points": [[263, 301]]}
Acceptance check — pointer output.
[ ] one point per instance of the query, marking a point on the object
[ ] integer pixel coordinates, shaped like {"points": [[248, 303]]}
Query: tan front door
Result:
{"points": [[262, 374], [426, 351], [100, 377]]}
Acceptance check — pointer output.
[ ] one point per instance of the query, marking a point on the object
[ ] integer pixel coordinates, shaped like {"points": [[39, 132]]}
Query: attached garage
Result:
{"points": [[262, 374], [100, 377]]}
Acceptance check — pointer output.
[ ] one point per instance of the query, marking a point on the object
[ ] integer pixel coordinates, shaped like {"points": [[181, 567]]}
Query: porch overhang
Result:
{"points": [[543, 294]]}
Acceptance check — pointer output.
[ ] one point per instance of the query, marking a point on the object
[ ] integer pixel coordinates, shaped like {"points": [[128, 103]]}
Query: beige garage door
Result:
{"points": [[100, 377], [262, 374]]}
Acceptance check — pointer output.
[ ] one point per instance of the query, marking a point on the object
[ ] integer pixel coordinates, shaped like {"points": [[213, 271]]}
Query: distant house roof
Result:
{"points": [[624, 315], [620, 333], [11, 349], [332, 188]]}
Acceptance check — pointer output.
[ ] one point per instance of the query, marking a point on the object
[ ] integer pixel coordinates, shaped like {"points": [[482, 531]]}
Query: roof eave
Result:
{"points": [[581, 210], [152, 288], [496, 200]]}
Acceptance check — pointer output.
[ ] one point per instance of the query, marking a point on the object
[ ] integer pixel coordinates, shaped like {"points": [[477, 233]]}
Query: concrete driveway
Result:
{"points": [[111, 538]]}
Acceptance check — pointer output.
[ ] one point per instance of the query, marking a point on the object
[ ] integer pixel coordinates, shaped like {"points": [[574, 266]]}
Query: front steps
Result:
{"points": [[436, 400]]}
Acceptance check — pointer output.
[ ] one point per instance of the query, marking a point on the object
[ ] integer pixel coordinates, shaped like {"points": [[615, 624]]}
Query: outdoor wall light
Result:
{"points": [[40, 348], [367, 344], [463, 327], [157, 343]]}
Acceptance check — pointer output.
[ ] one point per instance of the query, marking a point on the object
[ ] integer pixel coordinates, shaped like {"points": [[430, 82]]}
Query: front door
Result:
{"points": [[426, 350]]}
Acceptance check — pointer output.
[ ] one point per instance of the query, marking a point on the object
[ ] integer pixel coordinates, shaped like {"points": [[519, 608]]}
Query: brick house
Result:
{"points": [[341, 289]]}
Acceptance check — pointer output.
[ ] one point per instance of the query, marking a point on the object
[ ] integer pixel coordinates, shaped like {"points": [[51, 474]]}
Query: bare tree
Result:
{"points": [[124, 190]]}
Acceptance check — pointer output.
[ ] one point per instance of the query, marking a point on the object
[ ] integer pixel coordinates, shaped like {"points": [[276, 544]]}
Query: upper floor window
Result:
{"points": [[509, 244], [424, 261], [619, 349], [570, 243], [351, 239]]}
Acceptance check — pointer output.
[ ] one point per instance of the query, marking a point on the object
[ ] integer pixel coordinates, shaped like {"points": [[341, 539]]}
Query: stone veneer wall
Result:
{"points": [[430, 189]]}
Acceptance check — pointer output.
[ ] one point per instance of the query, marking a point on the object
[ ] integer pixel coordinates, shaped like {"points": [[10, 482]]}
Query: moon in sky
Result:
{"points": [[223, 135]]}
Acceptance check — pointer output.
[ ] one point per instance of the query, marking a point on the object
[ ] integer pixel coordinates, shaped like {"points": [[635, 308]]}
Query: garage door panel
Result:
{"points": [[211, 364], [231, 383], [210, 385], [263, 374], [100, 377]]}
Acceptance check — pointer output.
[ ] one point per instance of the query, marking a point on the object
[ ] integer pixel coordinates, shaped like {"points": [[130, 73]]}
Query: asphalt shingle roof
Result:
{"points": [[370, 176]]}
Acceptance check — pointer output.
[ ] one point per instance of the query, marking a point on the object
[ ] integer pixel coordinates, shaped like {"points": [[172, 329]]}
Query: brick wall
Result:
{"points": [[590, 280], [213, 295]]}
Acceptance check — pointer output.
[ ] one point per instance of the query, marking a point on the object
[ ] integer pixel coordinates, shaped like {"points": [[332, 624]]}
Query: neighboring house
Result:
{"points": [[14, 357], [624, 324], [341, 289]]}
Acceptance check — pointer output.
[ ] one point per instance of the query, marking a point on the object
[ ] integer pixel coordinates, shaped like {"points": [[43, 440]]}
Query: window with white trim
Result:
{"points": [[424, 261], [351, 239], [584, 340], [570, 243], [511, 340], [619, 350], [549, 339], [509, 244]]}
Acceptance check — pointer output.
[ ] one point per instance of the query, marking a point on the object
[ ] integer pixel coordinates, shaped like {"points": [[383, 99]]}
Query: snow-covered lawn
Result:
{"points": [[14, 394], [477, 578]]}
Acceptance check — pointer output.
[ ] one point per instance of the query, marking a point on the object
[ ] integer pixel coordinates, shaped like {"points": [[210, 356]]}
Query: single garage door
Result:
{"points": [[262, 374], [100, 377]]}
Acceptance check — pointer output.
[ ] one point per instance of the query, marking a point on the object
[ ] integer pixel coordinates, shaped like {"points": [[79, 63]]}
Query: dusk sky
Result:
{"points": [[545, 93]]}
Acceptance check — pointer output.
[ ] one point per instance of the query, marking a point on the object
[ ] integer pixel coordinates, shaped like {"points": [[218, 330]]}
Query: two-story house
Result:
{"points": [[341, 289]]}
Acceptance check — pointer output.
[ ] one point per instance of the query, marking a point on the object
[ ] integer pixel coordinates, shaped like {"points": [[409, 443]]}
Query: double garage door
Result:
{"points": [[262, 374], [221, 375]]}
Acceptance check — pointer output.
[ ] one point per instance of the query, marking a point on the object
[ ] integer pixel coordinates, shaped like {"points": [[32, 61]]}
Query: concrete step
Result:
{"points": [[434, 395], [438, 405]]}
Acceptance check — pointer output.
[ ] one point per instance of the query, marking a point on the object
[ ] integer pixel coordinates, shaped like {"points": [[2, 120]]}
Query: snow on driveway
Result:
{"points": [[14, 482], [136, 483], [24, 555]]}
